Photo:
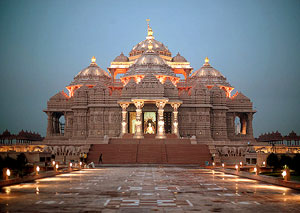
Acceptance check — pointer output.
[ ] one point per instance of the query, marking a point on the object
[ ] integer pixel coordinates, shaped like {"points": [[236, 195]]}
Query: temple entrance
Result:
{"points": [[149, 120], [168, 122]]}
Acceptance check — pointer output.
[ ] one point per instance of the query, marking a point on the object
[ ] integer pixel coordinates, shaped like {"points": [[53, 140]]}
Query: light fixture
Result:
{"points": [[283, 173], [53, 163], [8, 173], [37, 168], [255, 169], [236, 166]]}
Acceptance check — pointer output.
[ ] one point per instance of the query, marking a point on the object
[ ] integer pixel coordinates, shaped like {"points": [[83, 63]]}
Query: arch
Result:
{"points": [[58, 123], [240, 123]]}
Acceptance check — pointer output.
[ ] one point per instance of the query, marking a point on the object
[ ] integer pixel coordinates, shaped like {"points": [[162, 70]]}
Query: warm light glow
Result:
{"points": [[236, 166], [213, 164], [71, 164], [37, 168], [206, 60], [271, 187], [255, 169], [241, 163], [283, 173], [8, 173], [56, 166], [80, 163], [264, 163], [93, 60], [223, 165], [53, 163]]}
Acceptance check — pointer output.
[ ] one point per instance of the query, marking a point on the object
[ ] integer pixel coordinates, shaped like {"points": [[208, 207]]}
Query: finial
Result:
{"points": [[206, 61], [93, 61], [150, 32]]}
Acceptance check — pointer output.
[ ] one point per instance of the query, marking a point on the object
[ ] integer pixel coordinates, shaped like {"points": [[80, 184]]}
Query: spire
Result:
{"points": [[93, 61], [206, 62], [150, 32]]}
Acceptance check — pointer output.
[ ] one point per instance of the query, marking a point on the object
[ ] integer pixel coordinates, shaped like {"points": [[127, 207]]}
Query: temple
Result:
{"points": [[150, 97]]}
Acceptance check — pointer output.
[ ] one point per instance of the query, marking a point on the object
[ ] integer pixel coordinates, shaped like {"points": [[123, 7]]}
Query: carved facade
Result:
{"points": [[143, 94]]}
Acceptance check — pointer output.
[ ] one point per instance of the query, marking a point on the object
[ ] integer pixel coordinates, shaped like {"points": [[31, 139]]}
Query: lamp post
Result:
{"points": [[56, 167], [286, 174]]}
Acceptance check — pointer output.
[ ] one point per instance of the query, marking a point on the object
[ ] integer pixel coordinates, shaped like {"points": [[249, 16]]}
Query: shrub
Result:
{"points": [[296, 163], [285, 160], [273, 161]]}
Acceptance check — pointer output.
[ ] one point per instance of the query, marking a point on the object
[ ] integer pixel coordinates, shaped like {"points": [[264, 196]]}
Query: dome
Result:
{"points": [[178, 58], [121, 58], [209, 75], [141, 47], [150, 62], [90, 75]]}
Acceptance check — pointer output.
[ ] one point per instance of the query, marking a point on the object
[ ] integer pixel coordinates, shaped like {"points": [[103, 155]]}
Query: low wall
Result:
{"points": [[264, 178]]}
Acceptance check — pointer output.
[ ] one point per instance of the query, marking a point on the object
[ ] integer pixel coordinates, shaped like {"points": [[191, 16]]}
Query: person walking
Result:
{"points": [[100, 158]]}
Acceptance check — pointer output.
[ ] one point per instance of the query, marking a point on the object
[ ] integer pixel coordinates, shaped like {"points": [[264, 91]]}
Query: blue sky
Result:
{"points": [[255, 44]]}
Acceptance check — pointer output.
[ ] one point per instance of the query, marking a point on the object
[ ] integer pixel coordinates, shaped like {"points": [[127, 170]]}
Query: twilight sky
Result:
{"points": [[254, 43]]}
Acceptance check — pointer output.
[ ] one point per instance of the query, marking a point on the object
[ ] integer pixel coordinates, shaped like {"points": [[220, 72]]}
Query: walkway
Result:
{"points": [[146, 189]]}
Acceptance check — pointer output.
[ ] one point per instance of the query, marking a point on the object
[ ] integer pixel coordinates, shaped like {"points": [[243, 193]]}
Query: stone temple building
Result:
{"points": [[150, 98]]}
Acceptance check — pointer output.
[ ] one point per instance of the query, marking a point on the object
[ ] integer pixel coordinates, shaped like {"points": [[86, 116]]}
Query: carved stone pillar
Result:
{"points": [[138, 121], [161, 124], [175, 120], [249, 125], [124, 118], [50, 124]]}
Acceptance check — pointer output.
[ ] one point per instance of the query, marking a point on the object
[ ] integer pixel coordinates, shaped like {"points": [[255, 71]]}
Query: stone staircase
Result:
{"points": [[150, 151]]}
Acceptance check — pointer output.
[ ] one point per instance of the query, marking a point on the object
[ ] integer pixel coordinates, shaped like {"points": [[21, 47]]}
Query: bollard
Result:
{"points": [[37, 170], [70, 166], [6, 173], [286, 174], [56, 167]]}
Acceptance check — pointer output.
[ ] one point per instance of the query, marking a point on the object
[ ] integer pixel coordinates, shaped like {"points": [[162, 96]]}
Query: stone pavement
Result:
{"points": [[147, 189]]}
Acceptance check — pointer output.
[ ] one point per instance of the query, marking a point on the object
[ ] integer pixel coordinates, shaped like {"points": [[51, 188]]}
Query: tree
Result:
{"points": [[273, 161], [296, 163], [285, 160]]}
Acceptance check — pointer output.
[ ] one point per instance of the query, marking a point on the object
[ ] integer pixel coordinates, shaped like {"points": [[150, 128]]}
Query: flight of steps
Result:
{"points": [[150, 151]]}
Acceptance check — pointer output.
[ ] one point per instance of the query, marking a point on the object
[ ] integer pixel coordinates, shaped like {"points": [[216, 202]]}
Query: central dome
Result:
{"points": [[141, 47], [158, 47]]}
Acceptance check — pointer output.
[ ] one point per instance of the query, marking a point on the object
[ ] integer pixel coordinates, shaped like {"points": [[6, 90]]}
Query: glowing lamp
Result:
{"points": [[80, 163], [37, 168], [223, 164], [56, 166], [213, 164], [236, 166], [264, 163], [53, 163], [241, 163], [283, 174], [255, 169], [8, 173], [71, 164]]}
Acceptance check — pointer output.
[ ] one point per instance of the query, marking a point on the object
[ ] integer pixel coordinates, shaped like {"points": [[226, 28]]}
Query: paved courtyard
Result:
{"points": [[147, 189]]}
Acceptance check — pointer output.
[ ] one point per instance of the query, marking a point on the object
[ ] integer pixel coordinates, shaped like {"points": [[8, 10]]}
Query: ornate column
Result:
{"points": [[160, 124], [138, 121], [175, 121], [124, 118], [249, 124], [50, 124]]}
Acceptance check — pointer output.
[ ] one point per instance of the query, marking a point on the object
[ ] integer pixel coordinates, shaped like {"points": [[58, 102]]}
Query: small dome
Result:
{"points": [[209, 75], [178, 58], [90, 75], [121, 58]]}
